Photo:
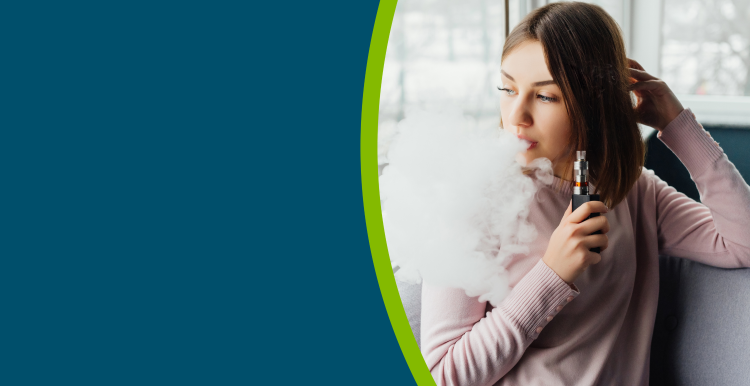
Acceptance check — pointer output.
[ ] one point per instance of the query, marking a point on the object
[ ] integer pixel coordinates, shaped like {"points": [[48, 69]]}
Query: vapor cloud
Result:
{"points": [[455, 202]]}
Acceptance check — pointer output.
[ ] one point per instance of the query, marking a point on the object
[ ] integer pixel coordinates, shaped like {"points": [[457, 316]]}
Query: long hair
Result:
{"points": [[585, 55]]}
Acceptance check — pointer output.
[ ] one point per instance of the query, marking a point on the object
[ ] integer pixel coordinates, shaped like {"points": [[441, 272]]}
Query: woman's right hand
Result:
{"points": [[568, 251]]}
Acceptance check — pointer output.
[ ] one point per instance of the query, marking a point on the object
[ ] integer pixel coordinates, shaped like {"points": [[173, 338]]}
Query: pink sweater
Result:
{"points": [[547, 333]]}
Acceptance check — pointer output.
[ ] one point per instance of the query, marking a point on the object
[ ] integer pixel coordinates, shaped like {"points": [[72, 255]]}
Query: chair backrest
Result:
{"points": [[702, 330], [411, 297]]}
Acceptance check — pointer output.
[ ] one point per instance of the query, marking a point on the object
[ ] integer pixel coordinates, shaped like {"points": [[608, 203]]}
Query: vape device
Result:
{"points": [[581, 188]]}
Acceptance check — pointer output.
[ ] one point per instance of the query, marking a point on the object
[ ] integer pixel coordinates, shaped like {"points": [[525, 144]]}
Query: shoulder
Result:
{"points": [[641, 198], [648, 190], [644, 188], [645, 180]]}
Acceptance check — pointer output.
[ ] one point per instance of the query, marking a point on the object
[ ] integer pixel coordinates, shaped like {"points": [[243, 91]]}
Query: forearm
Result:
{"points": [[463, 346], [720, 225]]}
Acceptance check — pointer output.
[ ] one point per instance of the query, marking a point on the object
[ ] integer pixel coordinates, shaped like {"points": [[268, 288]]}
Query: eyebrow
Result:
{"points": [[535, 84]]}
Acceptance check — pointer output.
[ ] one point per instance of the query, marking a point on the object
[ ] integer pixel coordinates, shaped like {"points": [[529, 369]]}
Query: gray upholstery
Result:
{"points": [[411, 297], [702, 330]]}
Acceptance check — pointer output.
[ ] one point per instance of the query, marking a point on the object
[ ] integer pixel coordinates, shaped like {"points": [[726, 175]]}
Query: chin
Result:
{"points": [[528, 156], [524, 158]]}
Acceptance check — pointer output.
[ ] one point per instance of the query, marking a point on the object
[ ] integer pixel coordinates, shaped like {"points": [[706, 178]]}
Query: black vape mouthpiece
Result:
{"points": [[581, 187]]}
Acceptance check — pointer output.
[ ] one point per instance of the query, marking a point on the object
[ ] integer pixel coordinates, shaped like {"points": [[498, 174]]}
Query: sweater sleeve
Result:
{"points": [[463, 346], [717, 230]]}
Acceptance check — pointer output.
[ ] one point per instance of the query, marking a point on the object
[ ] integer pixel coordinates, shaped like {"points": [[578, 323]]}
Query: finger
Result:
{"points": [[593, 257], [640, 94], [635, 64], [585, 210], [589, 226], [648, 85], [641, 75], [596, 241], [567, 211]]}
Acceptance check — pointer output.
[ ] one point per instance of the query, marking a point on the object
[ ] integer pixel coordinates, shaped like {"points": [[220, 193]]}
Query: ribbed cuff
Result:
{"points": [[537, 296], [691, 143]]}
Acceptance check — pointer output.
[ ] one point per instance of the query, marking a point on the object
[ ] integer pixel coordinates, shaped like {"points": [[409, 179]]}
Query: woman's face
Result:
{"points": [[531, 105]]}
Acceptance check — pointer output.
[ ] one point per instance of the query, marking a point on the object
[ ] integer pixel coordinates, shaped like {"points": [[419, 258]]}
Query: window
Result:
{"points": [[705, 57], [706, 47], [442, 54], [447, 53]]}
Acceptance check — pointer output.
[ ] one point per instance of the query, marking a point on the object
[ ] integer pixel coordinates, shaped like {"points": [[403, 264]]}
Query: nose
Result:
{"points": [[520, 115]]}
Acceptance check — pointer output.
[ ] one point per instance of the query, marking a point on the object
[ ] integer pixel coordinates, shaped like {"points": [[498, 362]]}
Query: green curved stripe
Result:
{"points": [[371, 195]]}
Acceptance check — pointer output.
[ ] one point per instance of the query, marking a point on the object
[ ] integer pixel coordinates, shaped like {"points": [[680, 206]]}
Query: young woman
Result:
{"points": [[576, 317]]}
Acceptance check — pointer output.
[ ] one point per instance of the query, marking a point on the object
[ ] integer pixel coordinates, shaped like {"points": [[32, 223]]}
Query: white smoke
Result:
{"points": [[455, 202]]}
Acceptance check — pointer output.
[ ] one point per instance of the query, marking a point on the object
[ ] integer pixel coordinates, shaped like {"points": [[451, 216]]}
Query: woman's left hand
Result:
{"points": [[657, 103]]}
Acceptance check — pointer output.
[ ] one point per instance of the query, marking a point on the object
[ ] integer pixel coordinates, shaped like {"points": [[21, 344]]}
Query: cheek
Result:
{"points": [[559, 140], [562, 132], [555, 135], [556, 118]]}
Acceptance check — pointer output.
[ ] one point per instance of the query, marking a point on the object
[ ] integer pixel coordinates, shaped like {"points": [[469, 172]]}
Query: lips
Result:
{"points": [[532, 144]]}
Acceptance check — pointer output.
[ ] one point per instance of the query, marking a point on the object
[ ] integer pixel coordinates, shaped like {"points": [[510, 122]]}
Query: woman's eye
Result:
{"points": [[546, 98], [507, 91]]}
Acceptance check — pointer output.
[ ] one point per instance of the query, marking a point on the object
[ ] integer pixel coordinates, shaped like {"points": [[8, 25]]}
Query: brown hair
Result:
{"points": [[585, 55]]}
